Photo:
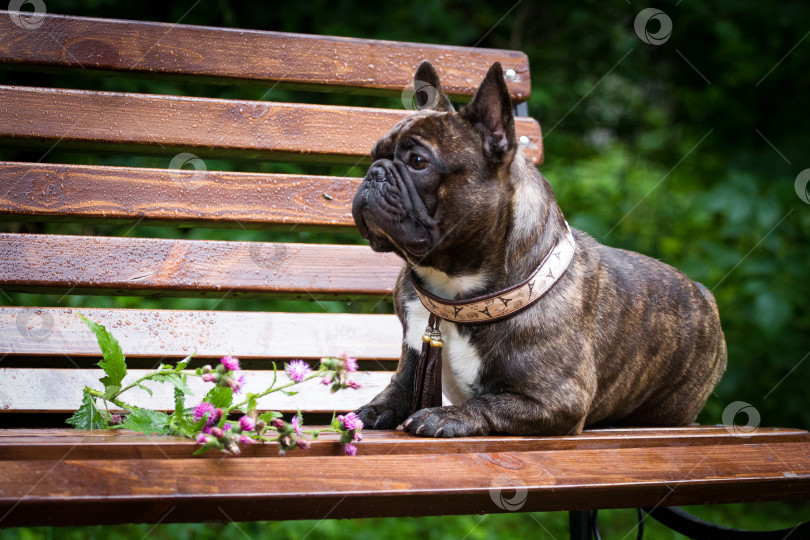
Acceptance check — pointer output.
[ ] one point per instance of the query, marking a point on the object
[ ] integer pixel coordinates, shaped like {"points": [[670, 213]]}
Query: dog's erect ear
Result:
{"points": [[428, 93], [490, 111]]}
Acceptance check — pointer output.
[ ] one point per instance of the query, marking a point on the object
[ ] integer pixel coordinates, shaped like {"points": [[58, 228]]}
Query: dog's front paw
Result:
{"points": [[441, 422], [379, 416]]}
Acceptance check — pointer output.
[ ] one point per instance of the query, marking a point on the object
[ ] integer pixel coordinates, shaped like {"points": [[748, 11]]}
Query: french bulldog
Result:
{"points": [[620, 339]]}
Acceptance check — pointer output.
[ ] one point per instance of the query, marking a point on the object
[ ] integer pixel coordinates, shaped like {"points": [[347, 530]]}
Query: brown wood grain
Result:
{"points": [[233, 55], [173, 334], [168, 124], [213, 268], [121, 444], [224, 199], [46, 492], [49, 390]]}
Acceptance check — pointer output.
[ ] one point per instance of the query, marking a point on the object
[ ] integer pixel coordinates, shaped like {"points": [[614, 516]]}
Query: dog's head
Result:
{"points": [[439, 185]]}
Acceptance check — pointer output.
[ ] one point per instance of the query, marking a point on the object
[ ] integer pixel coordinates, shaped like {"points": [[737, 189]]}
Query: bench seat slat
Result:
{"points": [[60, 390], [147, 490], [173, 334], [71, 193], [227, 55], [118, 121], [153, 266], [122, 444]]}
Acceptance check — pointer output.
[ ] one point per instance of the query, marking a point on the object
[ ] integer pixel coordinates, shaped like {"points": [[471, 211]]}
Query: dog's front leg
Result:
{"points": [[392, 405], [512, 414]]}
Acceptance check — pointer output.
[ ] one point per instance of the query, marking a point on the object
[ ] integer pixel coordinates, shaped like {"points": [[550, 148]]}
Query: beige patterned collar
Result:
{"points": [[504, 303]]}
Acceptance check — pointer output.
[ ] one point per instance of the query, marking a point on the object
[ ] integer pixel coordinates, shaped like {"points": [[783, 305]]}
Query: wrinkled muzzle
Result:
{"points": [[390, 213]]}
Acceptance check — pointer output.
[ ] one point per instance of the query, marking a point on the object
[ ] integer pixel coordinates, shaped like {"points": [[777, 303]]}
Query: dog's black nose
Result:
{"points": [[376, 174]]}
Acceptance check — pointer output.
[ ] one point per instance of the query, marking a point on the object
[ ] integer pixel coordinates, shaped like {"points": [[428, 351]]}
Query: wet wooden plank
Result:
{"points": [[195, 268], [121, 444], [92, 120], [102, 491], [60, 390], [173, 334], [71, 193], [226, 55]]}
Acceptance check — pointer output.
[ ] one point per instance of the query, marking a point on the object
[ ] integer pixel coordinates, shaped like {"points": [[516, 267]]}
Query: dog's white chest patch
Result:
{"points": [[460, 361]]}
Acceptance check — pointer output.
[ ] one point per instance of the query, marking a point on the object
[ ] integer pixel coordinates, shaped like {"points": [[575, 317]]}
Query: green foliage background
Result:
{"points": [[656, 149]]}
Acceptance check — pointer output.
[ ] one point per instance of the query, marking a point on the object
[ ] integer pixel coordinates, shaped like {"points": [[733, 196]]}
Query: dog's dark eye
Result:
{"points": [[417, 162]]}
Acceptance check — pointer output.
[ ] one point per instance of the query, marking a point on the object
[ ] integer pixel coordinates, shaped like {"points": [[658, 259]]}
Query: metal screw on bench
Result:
{"points": [[510, 74], [524, 141], [28, 20]]}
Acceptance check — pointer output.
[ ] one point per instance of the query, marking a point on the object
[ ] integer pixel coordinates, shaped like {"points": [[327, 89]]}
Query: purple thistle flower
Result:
{"points": [[209, 377], [244, 439], [326, 380], [351, 364], [350, 449], [236, 383], [214, 417], [247, 423], [216, 432], [201, 409], [351, 421], [297, 370], [296, 424], [230, 363], [202, 439]]}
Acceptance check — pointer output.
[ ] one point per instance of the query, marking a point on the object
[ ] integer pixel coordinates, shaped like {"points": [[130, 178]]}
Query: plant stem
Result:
{"points": [[272, 389], [113, 400]]}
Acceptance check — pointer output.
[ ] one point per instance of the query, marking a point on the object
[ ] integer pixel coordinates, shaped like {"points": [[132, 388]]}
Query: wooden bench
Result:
{"points": [[51, 475]]}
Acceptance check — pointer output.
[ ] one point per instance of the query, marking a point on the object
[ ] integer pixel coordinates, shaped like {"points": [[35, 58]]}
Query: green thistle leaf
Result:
{"points": [[87, 416], [177, 379], [269, 416], [220, 397], [114, 364], [147, 422]]}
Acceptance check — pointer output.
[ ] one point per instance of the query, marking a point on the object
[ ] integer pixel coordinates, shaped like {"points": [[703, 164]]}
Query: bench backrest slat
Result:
{"points": [[72, 193], [225, 55], [84, 119], [174, 334], [193, 268]]}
